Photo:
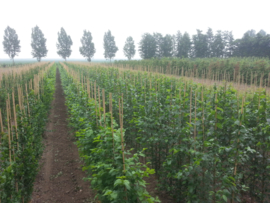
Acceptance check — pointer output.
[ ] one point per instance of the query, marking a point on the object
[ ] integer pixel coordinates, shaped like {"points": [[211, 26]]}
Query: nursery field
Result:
{"points": [[142, 133], [207, 143], [25, 96], [250, 71]]}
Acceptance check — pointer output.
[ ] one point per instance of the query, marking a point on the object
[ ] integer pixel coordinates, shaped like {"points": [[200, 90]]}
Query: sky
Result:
{"points": [[125, 18]]}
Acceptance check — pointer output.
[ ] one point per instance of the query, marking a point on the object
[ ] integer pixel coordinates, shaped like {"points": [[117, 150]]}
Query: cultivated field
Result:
{"points": [[194, 133]]}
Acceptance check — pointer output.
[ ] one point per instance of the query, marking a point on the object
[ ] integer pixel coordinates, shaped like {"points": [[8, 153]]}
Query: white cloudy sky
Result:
{"points": [[126, 18]]}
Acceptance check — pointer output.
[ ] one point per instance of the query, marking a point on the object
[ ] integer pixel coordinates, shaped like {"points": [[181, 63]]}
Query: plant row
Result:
{"points": [[250, 70], [25, 100], [115, 172], [207, 144]]}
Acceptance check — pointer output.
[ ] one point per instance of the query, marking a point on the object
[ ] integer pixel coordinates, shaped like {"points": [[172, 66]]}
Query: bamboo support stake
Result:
{"points": [[202, 115], [216, 111], [9, 141], [268, 82], [121, 130], [15, 120], [122, 110], [99, 113], [111, 112], [236, 163], [190, 105], [27, 100], [195, 116], [88, 89], [1, 122], [104, 110]]}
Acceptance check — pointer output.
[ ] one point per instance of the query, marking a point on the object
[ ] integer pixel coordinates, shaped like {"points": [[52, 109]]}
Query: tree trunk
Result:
{"points": [[13, 61]]}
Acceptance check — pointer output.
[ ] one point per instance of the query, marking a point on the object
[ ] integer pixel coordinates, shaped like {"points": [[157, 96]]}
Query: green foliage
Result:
{"points": [[88, 48], [38, 44], [100, 147], [207, 144], [147, 46], [183, 45], [167, 46], [11, 43], [129, 48], [109, 45], [245, 70], [252, 44], [17, 177], [199, 45], [64, 44]]}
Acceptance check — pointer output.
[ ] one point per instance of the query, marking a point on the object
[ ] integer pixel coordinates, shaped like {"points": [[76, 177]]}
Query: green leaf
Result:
{"points": [[127, 184], [118, 182], [225, 198]]}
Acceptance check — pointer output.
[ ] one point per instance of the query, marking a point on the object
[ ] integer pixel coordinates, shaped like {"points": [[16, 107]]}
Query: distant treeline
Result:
{"points": [[220, 44]]}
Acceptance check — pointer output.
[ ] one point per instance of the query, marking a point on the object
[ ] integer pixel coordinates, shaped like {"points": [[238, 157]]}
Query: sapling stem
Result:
{"points": [[9, 140], [111, 112], [121, 130], [1, 123], [104, 109]]}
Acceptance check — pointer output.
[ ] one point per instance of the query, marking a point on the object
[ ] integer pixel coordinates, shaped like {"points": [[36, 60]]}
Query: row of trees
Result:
{"points": [[12, 46], [221, 44]]}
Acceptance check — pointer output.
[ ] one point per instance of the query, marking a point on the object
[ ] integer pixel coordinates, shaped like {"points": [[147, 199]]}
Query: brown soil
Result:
{"points": [[151, 189], [60, 176]]}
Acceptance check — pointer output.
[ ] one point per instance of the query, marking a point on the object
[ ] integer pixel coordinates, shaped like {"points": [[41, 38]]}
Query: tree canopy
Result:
{"points": [[147, 46], [109, 45], [11, 43], [129, 48], [38, 44], [88, 47], [64, 44]]}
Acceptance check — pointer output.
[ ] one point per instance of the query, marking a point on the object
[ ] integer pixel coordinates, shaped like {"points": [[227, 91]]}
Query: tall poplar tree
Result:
{"points": [[229, 44], [147, 46], [159, 42], [185, 45], [88, 48], [129, 48], [38, 44], [11, 43], [109, 45], [218, 45], [178, 48], [200, 45], [167, 46], [64, 44], [210, 41]]}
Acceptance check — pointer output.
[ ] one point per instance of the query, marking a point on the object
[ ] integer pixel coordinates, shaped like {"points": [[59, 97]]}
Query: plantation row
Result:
{"points": [[206, 144], [115, 173], [25, 97], [252, 71]]}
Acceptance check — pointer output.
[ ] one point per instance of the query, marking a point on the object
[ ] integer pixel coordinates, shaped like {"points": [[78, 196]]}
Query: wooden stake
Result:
{"points": [[15, 119], [1, 123], [96, 102], [111, 112], [9, 141], [99, 113], [104, 110], [121, 130]]}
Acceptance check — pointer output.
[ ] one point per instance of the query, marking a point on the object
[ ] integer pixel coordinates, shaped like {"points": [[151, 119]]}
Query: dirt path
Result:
{"points": [[60, 176]]}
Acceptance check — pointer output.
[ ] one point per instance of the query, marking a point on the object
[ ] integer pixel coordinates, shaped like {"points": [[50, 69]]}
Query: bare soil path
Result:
{"points": [[60, 177]]}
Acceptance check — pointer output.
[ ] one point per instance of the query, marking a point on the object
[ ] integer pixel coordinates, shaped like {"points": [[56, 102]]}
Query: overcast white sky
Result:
{"points": [[126, 18]]}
